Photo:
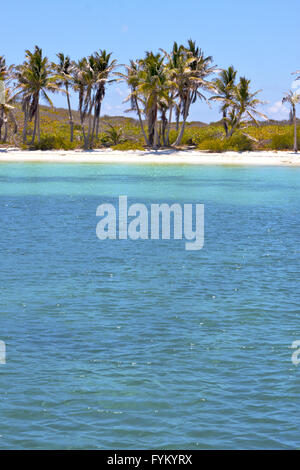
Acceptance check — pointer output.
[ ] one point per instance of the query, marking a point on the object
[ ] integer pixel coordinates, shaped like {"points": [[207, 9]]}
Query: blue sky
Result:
{"points": [[260, 38]]}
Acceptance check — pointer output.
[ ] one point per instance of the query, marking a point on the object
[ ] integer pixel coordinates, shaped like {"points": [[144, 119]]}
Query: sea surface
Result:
{"points": [[122, 344]]}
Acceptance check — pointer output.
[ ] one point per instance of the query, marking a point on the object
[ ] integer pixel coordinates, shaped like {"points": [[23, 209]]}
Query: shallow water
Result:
{"points": [[141, 344]]}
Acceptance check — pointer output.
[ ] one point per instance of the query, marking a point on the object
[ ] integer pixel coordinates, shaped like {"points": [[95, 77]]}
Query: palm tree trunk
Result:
{"points": [[98, 122], [97, 127], [93, 128], [83, 130], [24, 137], [15, 130], [34, 128], [89, 140], [238, 120], [82, 127], [164, 123], [5, 131], [141, 121], [96, 119], [38, 123], [155, 136], [295, 131], [225, 122], [1, 122], [169, 126], [179, 138], [85, 138], [70, 115], [152, 117], [186, 113], [177, 121]]}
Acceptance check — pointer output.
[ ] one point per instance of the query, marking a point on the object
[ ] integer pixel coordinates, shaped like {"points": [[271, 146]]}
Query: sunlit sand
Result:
{"points": [[190, 157]]}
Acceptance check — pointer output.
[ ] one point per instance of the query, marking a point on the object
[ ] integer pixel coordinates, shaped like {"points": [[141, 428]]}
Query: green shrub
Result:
{"points": [[102, 140], [128, 145], [113, 135], [172, 135], [212, 145], [53, 142], [207, 133], [237, 143], [195, 135], [283, 141]]}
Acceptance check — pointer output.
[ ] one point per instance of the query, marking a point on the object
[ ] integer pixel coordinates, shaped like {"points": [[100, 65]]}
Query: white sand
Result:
{"points": [[153, 157]]}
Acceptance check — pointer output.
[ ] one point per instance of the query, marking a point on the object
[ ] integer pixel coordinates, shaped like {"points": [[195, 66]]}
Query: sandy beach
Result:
{"points": [[188, 157]]}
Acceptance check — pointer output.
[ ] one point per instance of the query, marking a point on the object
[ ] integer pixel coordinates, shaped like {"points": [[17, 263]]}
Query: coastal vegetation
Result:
{"points": [[293, 98], [162, 87]]}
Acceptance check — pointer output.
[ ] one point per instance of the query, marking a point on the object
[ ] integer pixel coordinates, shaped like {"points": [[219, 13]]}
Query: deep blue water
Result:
{"points": [[141, 344]]}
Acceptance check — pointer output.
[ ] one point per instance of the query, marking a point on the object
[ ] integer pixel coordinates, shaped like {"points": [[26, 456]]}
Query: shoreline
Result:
{"points": [[169, 157]]}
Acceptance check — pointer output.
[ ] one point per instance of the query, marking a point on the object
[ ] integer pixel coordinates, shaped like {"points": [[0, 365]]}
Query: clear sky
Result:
{"points": [[259, 37]]}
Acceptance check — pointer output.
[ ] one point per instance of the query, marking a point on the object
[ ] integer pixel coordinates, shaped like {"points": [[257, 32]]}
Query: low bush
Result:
{"points": [[195, 135], [237, 143], [129, 145], [212, 145], [283, 141], [53, 142], [113, 135]]}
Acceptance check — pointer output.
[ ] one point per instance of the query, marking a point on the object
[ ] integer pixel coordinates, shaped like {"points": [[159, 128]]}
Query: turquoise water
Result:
{"points": [[141, 344]]}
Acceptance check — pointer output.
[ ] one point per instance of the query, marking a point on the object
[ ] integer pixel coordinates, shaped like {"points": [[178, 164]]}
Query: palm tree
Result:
{"points": [[64, 71], [3, 69], [90, 76], [88, 80], [35, 79], [6, 97], [163, 108], [293, 98], [224, 88], [243, 105], [164, 83], [79, 83], [193, 71], [173, 64], [104, 67], [131, 77], [7, 115], [3, 74], [153, 85]]}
